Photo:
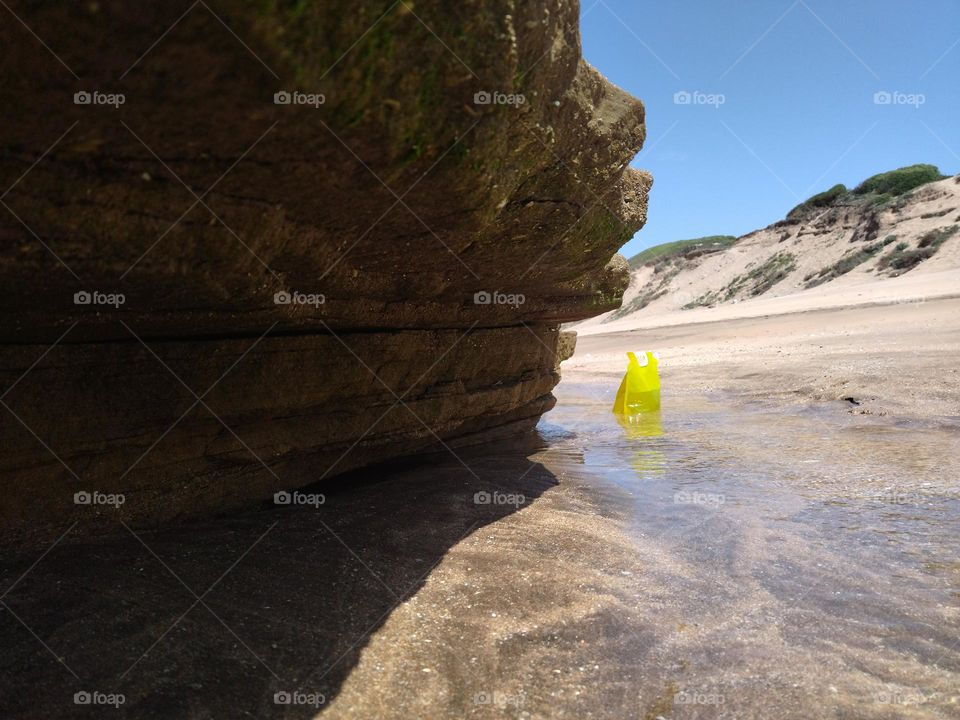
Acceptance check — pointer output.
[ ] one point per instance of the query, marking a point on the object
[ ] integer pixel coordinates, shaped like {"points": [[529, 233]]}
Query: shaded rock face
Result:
{"points": [[248, 246]]}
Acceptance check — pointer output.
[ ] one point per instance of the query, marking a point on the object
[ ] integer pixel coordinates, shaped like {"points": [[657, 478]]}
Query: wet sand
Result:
{"points": [[718, 563], [898, 359], [753, 552]]}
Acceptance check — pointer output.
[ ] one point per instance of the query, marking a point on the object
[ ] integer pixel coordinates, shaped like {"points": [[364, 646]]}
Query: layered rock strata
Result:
{"points": [[247, 246]]}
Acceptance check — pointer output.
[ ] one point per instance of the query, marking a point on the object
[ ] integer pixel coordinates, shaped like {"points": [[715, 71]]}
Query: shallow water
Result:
{"points": [[723, 560], [809, 557]]}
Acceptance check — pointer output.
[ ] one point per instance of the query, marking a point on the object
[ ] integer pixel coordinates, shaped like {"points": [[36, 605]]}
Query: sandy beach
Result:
{"points": [[761, 548], [313, 324], [897, 359]]}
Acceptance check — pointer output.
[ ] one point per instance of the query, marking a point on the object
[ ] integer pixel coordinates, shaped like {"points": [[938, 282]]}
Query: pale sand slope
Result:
{"points": [[813, 243], [901, 359], [915, 287]]}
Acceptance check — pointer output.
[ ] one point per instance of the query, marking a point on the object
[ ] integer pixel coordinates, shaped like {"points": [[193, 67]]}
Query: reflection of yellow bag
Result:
{"points": [[641, 425], [640, 390]]}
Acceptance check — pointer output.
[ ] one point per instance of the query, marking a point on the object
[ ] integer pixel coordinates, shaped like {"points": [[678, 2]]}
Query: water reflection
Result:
{"points": [[780, 543], [642, 425], [646, 458]]}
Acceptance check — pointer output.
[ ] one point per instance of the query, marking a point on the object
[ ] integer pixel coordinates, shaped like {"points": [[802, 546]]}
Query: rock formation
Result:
{"points": [[247, 246]]}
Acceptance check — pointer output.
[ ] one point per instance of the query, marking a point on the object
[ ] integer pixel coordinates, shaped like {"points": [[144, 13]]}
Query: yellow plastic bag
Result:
{"points": [[640, 390]]}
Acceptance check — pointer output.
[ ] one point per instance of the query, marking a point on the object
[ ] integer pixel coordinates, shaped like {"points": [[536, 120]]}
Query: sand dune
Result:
{"points": [[781, 262]]}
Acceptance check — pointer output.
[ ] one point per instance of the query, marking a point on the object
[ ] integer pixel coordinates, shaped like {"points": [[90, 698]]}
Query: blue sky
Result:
{"points": [[786, 104]]}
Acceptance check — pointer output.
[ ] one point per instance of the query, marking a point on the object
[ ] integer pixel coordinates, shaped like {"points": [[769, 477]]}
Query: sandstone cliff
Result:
{"points": [[249, 246]]}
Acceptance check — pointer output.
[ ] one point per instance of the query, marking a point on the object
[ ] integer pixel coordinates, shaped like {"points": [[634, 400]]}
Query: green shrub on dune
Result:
{"points": [[900, 181], [824, 199], [681, 247], [901, 259], [875, 190]]}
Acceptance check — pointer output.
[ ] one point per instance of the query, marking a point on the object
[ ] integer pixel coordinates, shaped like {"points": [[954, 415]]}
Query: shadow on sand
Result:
{"points": [[213, 619]]}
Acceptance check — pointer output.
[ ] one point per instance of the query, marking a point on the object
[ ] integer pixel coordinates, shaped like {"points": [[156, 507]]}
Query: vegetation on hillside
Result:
{"points": [[848, 262], [891, 189], [875, 190], [639, 302], [686, 248], [900, 181], [753, 283], [901, 258], [824, 199]]}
